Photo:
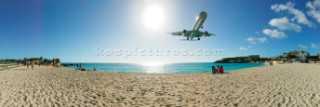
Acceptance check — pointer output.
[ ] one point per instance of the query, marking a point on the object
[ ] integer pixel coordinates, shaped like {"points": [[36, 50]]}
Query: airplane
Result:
{"points": [[195, 32]]}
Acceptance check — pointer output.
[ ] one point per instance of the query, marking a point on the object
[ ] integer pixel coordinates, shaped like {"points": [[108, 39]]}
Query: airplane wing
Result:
{"points": [[206, 34], [186, 34]]}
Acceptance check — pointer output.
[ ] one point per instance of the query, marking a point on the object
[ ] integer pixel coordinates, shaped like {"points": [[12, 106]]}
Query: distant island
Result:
{"points": [[244, 59], [291, 56]]}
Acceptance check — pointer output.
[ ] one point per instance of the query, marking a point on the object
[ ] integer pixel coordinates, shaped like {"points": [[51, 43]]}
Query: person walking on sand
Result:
{"points": [[80, 66], [77, 66], [32, 66], [94, 69], [271, 63]]}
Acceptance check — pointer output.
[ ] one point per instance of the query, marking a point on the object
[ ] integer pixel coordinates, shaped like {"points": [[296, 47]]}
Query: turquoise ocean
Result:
{"points": [[164, 68]]}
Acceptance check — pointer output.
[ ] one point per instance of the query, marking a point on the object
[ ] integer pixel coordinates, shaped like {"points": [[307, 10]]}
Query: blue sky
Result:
{"points": [[72, 30]]}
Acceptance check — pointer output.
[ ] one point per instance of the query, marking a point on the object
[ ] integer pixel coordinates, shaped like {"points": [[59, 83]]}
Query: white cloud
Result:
{"points": [[299, 16], [253, 40], [284, 24], [243, 48], [314, 9], [313, 45], [303, 46], [262, 39], [274, 34]]}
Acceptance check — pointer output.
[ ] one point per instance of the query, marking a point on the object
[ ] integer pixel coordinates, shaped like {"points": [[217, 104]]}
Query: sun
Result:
{"points": [[153, 17]]}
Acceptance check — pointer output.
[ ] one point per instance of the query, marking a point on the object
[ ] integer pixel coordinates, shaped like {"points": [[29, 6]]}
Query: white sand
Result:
{"points": [[280, 85]]}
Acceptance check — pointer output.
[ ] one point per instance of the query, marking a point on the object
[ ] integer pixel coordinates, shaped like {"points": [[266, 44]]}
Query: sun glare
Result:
{"points": [[152, 67], [152, 64], [153, 17]]}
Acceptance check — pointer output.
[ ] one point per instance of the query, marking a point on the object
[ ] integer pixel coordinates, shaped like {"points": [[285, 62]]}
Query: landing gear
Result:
{"points": [[199, 38]]}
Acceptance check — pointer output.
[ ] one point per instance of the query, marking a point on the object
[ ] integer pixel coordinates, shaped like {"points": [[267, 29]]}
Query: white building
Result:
{"points": [[300, 56]]}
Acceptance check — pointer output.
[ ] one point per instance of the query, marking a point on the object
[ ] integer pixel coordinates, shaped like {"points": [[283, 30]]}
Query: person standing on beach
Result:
{"points": [[27, 63]]}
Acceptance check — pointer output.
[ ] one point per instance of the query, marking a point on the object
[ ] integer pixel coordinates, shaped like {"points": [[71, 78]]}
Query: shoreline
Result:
{"points": [[145, 69], [7, 66]]}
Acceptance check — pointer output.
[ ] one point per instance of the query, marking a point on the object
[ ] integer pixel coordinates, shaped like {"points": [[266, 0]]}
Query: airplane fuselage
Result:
{"points": [[195, 32], [198, 24]]}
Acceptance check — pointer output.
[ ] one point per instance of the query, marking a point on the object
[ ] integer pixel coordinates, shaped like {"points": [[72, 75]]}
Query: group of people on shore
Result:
{"points": [[32, 63], [219, 69], [79, 67]]}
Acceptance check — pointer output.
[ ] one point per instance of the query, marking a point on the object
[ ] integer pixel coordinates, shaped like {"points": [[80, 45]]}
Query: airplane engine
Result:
{"points": [[206, 33]]}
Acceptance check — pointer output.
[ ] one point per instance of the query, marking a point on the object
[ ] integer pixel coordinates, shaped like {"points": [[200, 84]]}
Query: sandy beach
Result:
{"points": [[7, 66], [279, 85]]}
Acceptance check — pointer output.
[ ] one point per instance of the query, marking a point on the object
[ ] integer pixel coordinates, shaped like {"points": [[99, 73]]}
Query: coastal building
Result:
{"points": [[285, 55], [297, 56], [291, 56]]}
